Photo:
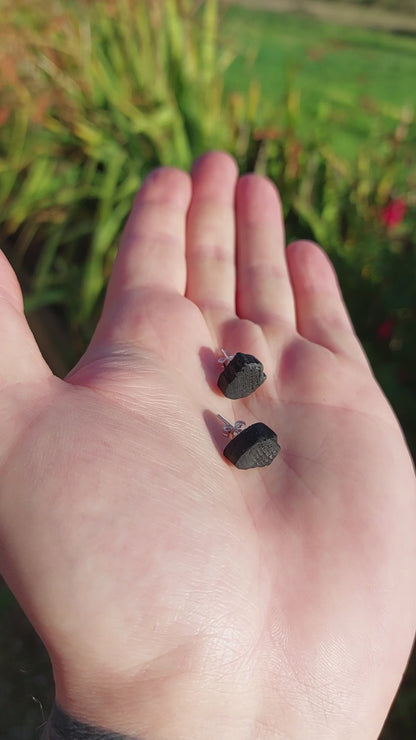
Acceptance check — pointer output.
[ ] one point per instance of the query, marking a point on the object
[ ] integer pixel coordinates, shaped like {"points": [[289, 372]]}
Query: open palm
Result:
{"points": [[179, 597]]}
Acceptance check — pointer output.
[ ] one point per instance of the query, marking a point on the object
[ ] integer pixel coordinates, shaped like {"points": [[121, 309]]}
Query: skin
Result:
{"points": [[179, 597]]}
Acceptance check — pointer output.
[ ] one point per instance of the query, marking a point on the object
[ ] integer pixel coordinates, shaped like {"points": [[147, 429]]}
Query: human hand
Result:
{"points": [[179, 597]]}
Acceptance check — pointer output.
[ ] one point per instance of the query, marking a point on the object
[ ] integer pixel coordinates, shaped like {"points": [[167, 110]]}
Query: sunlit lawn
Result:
{"points": [[362, 81]]}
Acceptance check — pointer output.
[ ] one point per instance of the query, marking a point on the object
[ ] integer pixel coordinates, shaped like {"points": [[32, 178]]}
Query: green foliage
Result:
{"points": [[94, 95]]}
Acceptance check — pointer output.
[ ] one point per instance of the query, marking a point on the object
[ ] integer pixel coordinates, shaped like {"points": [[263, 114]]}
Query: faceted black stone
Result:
{"points": [[254, 447], [243, 375]]}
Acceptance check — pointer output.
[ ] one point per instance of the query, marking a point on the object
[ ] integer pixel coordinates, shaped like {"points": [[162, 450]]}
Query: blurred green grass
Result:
{"points": [[93, 96], [359, 79]]}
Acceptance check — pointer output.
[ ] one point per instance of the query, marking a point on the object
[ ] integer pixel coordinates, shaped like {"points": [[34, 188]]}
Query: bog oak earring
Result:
{"points": [[250, 447], [242, 375]]}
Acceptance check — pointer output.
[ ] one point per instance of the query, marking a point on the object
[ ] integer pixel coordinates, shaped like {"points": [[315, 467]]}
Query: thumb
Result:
{"points": [[20, 359]]}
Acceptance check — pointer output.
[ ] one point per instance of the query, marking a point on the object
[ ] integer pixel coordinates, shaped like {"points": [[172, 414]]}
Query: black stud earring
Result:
{"points": [[242, 375], [250, 447]]}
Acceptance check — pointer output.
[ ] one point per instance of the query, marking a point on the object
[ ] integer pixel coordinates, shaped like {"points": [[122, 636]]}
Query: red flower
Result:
{"points": [[385, 330], [394, 213]]}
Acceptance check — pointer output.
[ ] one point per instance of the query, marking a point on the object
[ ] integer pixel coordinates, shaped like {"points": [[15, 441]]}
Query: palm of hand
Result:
{"points": [[284, 583]]}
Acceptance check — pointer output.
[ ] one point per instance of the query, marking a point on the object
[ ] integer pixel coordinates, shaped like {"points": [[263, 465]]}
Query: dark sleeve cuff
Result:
{"points": [[62, 727]]}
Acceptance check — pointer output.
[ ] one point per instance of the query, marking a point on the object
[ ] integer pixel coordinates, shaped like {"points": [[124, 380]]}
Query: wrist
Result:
{"points": [[148, 710], [62, 726]]}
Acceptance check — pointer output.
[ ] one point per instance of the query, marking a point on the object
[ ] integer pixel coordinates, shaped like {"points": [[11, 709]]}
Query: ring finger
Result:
{"points": [[264, 291]]}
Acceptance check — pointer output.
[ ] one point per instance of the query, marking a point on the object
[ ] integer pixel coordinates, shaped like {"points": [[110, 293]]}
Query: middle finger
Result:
{"points": [[211, 274]]}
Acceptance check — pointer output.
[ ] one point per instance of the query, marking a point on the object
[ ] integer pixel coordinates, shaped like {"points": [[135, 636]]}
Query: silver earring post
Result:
{"points": [[231, 430], [226, 359]]}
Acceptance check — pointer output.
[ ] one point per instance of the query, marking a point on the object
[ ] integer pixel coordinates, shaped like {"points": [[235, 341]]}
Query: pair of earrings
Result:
{"points": [[254, 446]]}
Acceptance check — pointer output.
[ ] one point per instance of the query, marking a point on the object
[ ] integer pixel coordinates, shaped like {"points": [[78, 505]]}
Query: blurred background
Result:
{"points": [[320, 96]]}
